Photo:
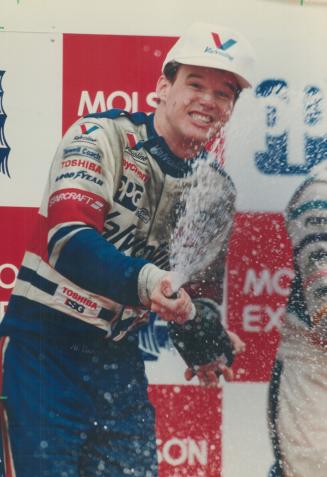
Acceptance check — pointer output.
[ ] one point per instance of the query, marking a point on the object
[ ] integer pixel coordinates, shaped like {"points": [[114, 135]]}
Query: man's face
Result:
{"points": [[196, 105]]}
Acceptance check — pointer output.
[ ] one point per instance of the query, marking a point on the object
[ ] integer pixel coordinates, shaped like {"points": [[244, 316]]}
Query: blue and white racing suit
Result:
{"points": [[298, 389], [74, 383]]}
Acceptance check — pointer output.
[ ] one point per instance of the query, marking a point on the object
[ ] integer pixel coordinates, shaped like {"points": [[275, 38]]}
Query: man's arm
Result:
{"points": [[83, 178], [76, 209]]}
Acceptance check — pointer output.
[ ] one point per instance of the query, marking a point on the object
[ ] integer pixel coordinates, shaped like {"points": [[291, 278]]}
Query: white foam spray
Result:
{"points": [[201, 227]]}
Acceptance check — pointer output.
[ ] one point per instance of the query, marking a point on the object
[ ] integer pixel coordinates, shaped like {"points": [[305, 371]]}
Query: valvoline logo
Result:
{"points": [[132, 139], [295, 129], [4, 148], [222, 46], [88, 128]]}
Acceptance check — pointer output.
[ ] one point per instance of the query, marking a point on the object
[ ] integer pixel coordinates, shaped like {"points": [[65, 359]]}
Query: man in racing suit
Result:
{"points": [[76, 393], [298, 389]]}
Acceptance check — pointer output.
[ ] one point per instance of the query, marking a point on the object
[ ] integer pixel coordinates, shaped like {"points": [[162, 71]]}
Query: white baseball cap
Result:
{"points": [[217, 47]]}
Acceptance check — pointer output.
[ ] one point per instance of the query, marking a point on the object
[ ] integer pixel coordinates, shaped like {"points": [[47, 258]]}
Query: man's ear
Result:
{"points": [[163, 87]]}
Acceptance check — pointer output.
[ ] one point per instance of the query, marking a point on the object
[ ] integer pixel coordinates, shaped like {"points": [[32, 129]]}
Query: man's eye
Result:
{"points": [[196, 85], [223, 94]]}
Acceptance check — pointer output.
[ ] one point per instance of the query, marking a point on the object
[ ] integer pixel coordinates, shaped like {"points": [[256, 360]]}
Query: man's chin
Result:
{"points": [[204, 135]]}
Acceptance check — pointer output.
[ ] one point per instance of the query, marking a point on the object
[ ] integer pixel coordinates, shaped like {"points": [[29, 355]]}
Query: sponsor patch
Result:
{"points": [[78, 196], [125, 239], [80, 175], [137, 155], [82, 163], [130, 166], [143, 214], [129, 194], [78, 302], [74, 205], [82, 151], [88, 139], [88, 128], [132, 139]]}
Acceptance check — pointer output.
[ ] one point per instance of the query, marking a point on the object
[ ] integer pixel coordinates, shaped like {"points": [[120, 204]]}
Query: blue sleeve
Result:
{"points": [[93, 263]]}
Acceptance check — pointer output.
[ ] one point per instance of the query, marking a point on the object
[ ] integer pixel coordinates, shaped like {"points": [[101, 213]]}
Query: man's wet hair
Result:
{"points": [[170, 70]]}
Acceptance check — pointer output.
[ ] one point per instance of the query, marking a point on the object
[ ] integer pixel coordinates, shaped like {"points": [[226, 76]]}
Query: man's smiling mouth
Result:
{"points": [[202, 118]]}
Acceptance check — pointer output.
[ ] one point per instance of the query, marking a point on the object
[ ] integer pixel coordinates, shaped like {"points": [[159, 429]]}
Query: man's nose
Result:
{"points": [[208, 100]]}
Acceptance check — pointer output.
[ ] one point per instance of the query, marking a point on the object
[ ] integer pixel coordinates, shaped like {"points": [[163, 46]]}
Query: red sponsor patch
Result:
{"points": [[79, 298], [90, 166], [131, 137], [71, 205]]}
